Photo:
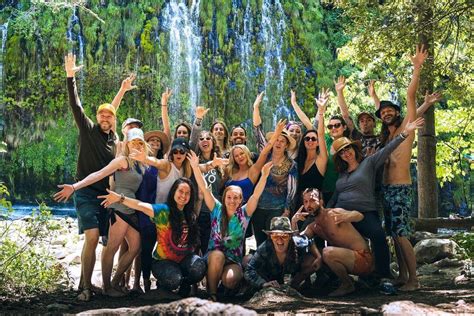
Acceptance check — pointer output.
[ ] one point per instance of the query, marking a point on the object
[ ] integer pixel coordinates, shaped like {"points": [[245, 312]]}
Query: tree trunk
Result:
{"points": [[427, 181]]}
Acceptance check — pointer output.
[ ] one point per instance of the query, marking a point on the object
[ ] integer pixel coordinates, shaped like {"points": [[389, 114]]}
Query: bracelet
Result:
{"points": [[122, 198], [73, 188], [403, 136]]}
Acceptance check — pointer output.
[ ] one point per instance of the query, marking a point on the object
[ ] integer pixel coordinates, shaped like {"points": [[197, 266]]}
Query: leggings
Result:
{"points": [[204, 221], [371, 228], [148, 238], [171, 275]]}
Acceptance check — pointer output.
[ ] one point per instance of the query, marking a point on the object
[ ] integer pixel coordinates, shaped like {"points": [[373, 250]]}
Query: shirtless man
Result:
{"points": [[397, 189], [349, 252]]}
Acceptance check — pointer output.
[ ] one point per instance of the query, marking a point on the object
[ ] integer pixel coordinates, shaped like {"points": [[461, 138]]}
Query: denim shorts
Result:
{"points": [[90, 213]]}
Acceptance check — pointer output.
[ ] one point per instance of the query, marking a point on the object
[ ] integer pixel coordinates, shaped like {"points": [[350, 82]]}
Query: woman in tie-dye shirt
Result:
{"points": [[228, 223], [175, 265]]}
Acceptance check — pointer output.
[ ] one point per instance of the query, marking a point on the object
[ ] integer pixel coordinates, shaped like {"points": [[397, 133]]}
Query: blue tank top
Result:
{"points": [[245, 184]]}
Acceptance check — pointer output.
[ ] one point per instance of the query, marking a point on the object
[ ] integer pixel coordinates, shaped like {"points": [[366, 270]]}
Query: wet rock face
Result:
{"points": [[431, 250], [188, 306]]}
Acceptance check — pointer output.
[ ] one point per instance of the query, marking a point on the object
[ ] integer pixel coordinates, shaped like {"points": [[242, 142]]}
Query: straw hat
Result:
{"points": [[291, 141], [165, 142]]}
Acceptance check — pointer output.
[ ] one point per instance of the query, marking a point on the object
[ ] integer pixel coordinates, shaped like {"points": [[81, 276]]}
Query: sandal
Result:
{"points": [[85, 295]]}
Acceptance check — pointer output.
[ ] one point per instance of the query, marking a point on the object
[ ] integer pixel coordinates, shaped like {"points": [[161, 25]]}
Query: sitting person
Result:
{"points": [[349, 252], [175, 265], [278, 256], [229, 220]]}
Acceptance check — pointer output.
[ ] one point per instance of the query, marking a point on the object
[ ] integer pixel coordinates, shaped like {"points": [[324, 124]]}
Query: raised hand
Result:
{"points": [[217, 162], [432, 98], [193, 159], [110, 198], [340, 84], [293, 97], [70, 65], [411, 126], [266, 169], [127, 83], [280, 126], [65, 193], [165, 96], [201, 112], [138, 155], [371, 88], [322, 100], [299, 215], [258, 99], [420, 56]]}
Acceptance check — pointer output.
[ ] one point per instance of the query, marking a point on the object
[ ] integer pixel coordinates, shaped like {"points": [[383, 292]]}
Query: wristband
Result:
{"points": [[403, 136], [198, 121], [73, 188], [122, 198]]}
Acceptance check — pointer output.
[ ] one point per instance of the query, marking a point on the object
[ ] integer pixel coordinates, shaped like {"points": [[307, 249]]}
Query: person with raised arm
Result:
{"points": [[397, 187], [312, 154], [175, 264], [196, 129], [229, 221], [96, 149]]}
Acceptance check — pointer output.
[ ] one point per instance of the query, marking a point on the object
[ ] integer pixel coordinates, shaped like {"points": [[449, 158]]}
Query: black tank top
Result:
{"points": [[311, 179]]}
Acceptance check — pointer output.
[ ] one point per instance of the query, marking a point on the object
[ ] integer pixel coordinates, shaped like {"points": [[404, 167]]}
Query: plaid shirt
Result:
{"points": [[264, 266]]}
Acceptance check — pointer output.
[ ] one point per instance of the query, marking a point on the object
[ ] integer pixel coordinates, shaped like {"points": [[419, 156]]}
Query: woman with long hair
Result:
{"points": [[128, 175], [229, 221], [175, 265], [221, 133]]}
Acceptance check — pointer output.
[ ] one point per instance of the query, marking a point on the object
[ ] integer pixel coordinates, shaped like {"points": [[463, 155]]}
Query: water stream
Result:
{"points": [[4, 33], [76, 40]]}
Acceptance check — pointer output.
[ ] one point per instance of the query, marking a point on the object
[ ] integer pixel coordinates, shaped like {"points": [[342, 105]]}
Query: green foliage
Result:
{"points": [[26, 267], [466, 241]]}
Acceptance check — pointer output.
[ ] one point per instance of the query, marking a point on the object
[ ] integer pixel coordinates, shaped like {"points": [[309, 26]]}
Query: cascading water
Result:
{"points": [[74, 36], [273, 27], [243, 34], [184, 50], [4, 33]]}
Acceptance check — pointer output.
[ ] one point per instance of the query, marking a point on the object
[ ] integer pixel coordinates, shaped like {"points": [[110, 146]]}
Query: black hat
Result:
{"points": [[384, 104], [180, 143], [132, 120]]}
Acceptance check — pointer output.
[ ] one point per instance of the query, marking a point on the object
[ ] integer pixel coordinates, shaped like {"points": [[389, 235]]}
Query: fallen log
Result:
{"points": [[432, 224]]}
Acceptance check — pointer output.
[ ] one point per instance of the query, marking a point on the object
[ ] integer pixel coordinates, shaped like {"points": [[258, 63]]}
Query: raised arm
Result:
{"points": [[164, 112], [417, 60], [322, 159], [301, 115], [341, 101], [373, 94], [141, 156], [197, 127], [114, 197], [69, 189], [257, 192], [209, 198], [430, 99], [127, 85], [257, 120]]}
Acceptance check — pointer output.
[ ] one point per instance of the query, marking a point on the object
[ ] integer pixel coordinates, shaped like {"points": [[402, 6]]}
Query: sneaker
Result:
{"points": [[387, 288]]}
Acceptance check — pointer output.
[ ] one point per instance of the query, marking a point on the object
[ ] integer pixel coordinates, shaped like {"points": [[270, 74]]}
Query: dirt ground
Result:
{"points": [[436, 290]]}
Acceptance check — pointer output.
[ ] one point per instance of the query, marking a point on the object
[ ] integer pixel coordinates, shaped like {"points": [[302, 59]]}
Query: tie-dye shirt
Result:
{"points": [[232, 244], [165, 247]]}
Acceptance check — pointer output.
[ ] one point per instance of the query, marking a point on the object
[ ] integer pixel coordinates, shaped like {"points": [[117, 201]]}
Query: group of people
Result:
{"points": [[180, 206]]}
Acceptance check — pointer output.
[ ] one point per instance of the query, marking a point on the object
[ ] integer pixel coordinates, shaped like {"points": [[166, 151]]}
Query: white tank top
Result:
{"points": [[164, 185]]}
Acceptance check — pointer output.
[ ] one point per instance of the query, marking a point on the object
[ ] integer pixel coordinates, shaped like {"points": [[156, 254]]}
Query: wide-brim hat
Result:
{"points": [[384, 104], [365, 113], [132, 120], [284, 133], [135, 133], [280, 224], [343, 142], [165, 142]]}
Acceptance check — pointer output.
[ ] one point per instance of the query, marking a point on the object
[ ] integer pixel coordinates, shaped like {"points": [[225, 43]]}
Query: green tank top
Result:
{"points": [[331, 175]]}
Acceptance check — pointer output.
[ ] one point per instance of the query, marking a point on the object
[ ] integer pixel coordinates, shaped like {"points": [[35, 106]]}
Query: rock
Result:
{"points": [[58, 307], [72, 259], [448, 263], [59, 254], [431, 250], [270, 296], [427, 269], [187, 306], [418, 236], [407, 308]]}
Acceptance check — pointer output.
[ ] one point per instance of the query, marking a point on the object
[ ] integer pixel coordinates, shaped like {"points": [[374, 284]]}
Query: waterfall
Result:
{"points": [[394, 96], [74, 37], [184, 51], [4, 33], [243, 33], [272, 30]]}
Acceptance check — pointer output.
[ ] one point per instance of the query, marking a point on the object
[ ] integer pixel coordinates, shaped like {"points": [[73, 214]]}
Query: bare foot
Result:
{"points": [[399, 281], [343, 290], [410, 286], [85, 295], [112, 292]]}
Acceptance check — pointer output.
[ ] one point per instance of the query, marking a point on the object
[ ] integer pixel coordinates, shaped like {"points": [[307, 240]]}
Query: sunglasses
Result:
{"points": [[178, 151], [282, 236], [331, 126], [344, 150], [308, 139], [204, 138]]}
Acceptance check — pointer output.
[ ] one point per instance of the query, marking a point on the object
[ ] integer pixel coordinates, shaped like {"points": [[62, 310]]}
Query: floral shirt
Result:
{"points": [[165, 247], [231, 244]]}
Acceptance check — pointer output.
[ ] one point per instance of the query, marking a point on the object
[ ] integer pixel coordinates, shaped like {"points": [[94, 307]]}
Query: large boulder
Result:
{"points": [[187, 306], [408, 308], [431, 250]]}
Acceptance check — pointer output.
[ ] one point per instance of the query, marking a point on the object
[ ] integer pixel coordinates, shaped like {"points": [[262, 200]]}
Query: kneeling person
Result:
{"points": [[349, 253], [279, 255]]}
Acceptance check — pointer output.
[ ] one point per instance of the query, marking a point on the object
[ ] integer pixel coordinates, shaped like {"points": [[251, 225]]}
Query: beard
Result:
{"points": [[238, 141], [391, 121], [105, 126]]}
